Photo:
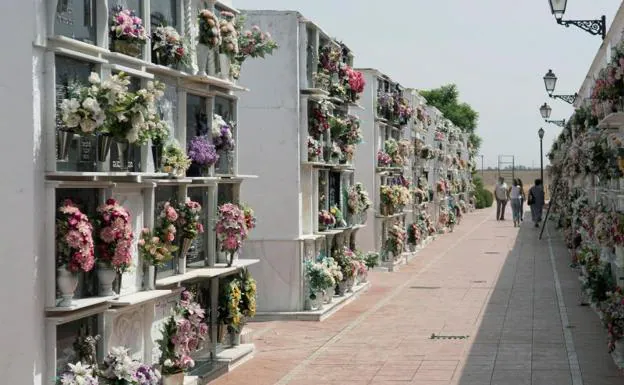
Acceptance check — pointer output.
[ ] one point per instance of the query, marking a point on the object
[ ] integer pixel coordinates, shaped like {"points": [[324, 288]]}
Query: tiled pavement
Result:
{"points": [[488, 281]]}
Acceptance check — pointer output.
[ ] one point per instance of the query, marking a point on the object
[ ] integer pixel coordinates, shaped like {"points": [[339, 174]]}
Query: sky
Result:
{"points": [[496, 52]]}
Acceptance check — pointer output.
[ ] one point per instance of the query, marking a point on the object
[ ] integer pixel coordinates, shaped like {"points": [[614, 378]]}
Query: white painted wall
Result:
{"points": [[269, 117], [21, 334], [366, 157]]}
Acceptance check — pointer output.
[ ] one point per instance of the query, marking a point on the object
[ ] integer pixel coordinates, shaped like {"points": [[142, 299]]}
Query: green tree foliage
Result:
{"points": [[483, 197], [446, 99]]}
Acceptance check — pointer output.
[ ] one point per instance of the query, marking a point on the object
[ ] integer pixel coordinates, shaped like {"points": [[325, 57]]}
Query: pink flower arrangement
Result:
{"points": [[165, 223], [439, 136], [356, 80], [188, 222], [383, 159], [231, 227], [126, 25], [114, 235], [182, 335], [326, 219], [74, 239]]}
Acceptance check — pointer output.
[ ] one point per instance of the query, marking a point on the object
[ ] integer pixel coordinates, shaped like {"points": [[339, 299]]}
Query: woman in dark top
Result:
{"points": [[536, 201]]}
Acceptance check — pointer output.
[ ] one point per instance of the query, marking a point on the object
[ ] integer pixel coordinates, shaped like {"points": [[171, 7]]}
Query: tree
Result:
{"points": [[446, 99]]}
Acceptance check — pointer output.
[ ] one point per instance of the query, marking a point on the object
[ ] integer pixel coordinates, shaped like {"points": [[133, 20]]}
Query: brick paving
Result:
{"points": [[487, 281]]}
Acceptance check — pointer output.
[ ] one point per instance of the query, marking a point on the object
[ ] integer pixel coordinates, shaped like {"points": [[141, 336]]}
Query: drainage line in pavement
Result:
{"points": [[303, 364], [575, 368]]}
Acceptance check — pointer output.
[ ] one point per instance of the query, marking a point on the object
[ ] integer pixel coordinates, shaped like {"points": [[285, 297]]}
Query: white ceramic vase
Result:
{"points": [[66, 282], [173, 379], [106, 276], [203, 51], [224, 66], [149, 278]]}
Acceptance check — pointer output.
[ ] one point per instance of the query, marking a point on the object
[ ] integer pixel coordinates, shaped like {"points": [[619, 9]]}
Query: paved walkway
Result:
{"points": [[487, 282]]}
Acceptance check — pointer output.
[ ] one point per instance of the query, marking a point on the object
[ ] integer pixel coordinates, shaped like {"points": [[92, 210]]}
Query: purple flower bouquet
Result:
{"points": [[202, 153]]}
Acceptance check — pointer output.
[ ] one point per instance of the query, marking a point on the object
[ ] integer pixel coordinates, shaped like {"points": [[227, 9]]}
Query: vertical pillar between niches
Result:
{"points": [[102, 23], [212, 217], [49, 110], [147, 47], [214, 306]]}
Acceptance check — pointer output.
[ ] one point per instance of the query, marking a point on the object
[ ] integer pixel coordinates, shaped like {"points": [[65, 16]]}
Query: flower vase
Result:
{"points": [[618, 353], [329, 296], [173, 379], [342, 288], [350, 284], [202, 58], [106, 276], [184, 249], [235, 338], [103, 146], [63, 142], [224, 66], [363, 217], [157, 150], [127, 47], [66, 282], [149, 278], [123, 152], [231, 257]]}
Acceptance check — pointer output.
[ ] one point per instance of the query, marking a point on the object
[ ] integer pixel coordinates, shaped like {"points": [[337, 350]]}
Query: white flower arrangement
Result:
{"points": [[78, 374]]}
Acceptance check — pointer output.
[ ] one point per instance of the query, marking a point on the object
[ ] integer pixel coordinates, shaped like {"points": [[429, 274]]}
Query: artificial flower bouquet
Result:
{"points": [[189, 223], [169, 48], [114, 236], [166, 222], [355, 83], [127, 31], [613, 311], [229, 35], [320, 278], [250, 218], [383, 159], [395, 242], [345, 257], [182, 334], [74, 239], [209, 31], [79, 374], [371, 259], [83, 111], [255, 43], [231, 229], [120, 369], [174, 160], [326, 220], [336, 213], [329, 59], [320, 118], [414, 234], [222, 134], [153, 250], [237, 302], [202, 153], [332, 267], [334, 151], [315, 149]]}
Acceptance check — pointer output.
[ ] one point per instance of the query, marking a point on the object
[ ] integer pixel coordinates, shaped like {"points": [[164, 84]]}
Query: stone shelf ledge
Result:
{"points": [[315, 315], [80, 303], [236, 355], [60, 318], [219, 270], [99, 177], [139, 297]]}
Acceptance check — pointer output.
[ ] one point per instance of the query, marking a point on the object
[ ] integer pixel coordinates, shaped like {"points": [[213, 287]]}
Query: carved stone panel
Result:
{"points": [[126, 329]]}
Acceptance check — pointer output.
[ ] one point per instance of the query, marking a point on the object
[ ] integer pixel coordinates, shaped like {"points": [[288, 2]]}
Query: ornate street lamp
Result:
{"points": [[545, 111], [550, 81], [595, 27], [540, 133]]}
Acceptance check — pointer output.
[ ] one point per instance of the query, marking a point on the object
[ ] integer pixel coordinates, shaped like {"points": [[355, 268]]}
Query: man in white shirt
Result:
{"points": [[501, 193]]}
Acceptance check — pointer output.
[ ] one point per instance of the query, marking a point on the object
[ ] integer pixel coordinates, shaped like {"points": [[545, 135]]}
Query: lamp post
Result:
{"points": [[545, 111], [540, 133], [594, 27], [550, 81], [481, 166]]}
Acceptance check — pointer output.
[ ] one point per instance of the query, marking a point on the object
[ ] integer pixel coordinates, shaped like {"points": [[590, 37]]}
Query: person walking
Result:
{"points": [[536, 201], [501, 193], [522, 199], [516, 200]]}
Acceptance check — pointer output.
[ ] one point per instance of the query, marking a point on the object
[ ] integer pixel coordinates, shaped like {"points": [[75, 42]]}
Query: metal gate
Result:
{"points": [[506, 167]]}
